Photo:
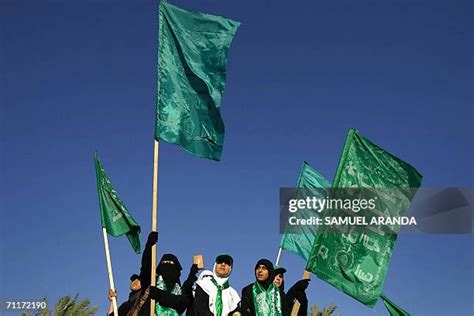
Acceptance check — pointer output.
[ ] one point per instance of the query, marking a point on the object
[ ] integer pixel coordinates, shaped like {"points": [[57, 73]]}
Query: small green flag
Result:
{"points": [[392, 308], [354, 259], [114, 216], [301, 242], [192, 60]]}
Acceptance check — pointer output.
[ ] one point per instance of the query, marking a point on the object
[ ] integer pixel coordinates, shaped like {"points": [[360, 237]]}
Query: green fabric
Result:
{"points": [[192, 60], [267, 302], [219, 295], [356, 262], [113, 214], [301, 242], [161, 310], [392, 308]]}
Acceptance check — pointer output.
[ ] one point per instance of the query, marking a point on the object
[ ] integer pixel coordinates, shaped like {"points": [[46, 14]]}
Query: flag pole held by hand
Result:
{"points": [[154, 216], [109, 269], [297, 305]]}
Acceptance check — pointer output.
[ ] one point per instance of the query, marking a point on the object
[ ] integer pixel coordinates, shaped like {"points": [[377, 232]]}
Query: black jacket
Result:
{"points": [[248, 306], [292, 294], [145, 280], [200, 306], [177, 302]]}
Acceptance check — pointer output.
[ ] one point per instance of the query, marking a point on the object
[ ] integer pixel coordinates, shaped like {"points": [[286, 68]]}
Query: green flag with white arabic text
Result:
{"points": [[192, 60], [355, 259], [113, 214], [301, 242]]}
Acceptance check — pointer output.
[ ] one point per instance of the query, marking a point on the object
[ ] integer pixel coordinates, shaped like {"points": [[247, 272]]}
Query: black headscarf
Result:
{"points": [[170, 269], [126, 306], [281, 270], [271, 272], [133, 277]]}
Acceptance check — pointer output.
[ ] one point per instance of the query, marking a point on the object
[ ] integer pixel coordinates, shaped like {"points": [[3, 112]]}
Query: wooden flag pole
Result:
{"points": [[297, 305], [154, 224], [296, 308], [109, 269]]}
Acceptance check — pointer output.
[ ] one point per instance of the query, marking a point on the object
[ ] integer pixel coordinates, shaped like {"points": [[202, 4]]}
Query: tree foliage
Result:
{"points": [[326, 311], [68, 306]]}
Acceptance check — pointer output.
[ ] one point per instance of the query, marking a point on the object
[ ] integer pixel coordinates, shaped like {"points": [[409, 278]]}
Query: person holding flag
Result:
{"points": [[171, 298], [115, 221], [135, 290], [212, 293], [139, 283]]}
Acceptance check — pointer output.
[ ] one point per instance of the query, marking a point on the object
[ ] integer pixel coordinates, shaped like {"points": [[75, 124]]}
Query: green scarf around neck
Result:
{"points": [[219, 295], [161, 310], [267, 302]]}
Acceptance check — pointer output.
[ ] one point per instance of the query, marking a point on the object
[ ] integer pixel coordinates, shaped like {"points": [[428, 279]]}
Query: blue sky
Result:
{"points": [[80, 76]]}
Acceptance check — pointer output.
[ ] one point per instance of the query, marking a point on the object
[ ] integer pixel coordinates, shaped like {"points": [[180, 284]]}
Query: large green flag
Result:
{"points": [[114, 216], [192, 60], [300, 240], [392, 308], [354, 259]]}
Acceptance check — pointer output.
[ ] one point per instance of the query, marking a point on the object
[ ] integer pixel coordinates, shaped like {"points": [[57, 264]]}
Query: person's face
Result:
{"points": [[135, 285], [278, 280], [222, 269], [261, 273]]}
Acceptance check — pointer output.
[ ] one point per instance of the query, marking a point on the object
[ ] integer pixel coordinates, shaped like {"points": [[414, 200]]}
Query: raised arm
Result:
{"points": [[145, 269]]}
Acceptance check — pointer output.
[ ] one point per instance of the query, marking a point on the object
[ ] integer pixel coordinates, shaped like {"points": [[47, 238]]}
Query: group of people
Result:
{"points": [[210, 293]]}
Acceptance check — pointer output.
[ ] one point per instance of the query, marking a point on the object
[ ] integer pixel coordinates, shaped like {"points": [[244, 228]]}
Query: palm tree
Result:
{"points": [[326, 311], [68, 306]]}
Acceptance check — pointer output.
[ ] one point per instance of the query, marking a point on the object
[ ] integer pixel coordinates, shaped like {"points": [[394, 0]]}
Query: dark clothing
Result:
{"points": [[170, 269], [247, 303], [127, 306], [177, 302], [295, 293], [248, 306], [200, 305], [145, 280]]}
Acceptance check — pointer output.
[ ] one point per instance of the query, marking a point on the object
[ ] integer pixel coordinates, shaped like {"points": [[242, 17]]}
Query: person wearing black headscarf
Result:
{"points": [[172, 298], [169, 269], [139, 283], [263, 298], [296, 292]]}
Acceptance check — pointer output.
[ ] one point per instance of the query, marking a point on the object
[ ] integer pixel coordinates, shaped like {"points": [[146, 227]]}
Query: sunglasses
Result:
{"points": [[224, 261]]}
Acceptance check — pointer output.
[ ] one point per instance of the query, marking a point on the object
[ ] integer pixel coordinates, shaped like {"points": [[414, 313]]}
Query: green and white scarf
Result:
{"points": [[223, 299], [161, 310], [267, 302], [219, 295]]}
